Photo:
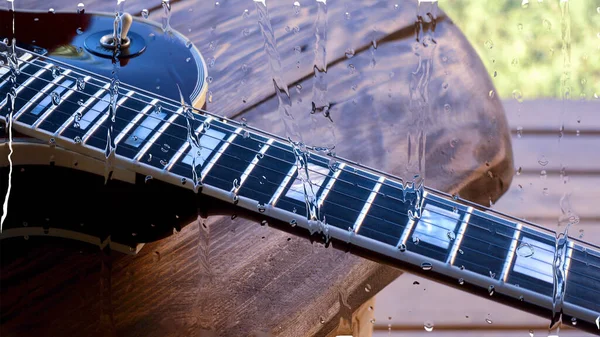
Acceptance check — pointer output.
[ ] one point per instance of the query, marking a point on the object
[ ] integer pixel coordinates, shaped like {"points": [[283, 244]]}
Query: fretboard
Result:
{"points": [[464, 243]]}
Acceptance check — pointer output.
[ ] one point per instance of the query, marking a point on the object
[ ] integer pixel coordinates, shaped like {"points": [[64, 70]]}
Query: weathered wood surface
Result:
{"points": [[261, 282], [532, 201]]}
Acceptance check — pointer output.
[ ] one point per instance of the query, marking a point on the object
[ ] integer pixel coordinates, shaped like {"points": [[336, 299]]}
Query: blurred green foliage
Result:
{"points": [[526, 46]]}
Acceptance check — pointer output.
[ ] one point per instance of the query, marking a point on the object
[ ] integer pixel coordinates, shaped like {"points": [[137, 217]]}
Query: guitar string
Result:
{"points": [[146, 103], [234, 144], [172, 123], [398, 212], [383, 233], [384, 174]]}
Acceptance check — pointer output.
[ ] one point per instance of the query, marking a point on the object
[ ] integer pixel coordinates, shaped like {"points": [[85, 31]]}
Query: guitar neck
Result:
{"points": [[428, 232]]}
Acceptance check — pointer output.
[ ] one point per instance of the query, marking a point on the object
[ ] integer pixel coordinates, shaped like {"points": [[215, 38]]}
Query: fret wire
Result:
{"points": [[570, 245], [408, 229], [250, 167], [367, 206], [26, 83], [51, 109], [157, 134], [80, 110], [283, 185], [330, 183], [219, 153], [185, 145], [459, 236], [511, 253], [104, 118], [134, 121], [39, 95]]}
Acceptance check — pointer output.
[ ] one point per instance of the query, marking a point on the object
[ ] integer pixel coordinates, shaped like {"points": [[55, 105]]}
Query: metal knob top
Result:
{"points": [[108, 41]]}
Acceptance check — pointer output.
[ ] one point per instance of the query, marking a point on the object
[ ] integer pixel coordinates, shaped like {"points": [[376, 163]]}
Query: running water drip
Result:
{"points": [[419, 107], [567, 218], [166, 20], [320, 103], [284, 107], [110, 148], [11, 96], [193, 140]]}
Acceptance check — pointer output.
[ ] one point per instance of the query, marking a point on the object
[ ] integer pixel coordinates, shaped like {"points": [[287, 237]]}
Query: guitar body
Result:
{"points": [[67, 187]]}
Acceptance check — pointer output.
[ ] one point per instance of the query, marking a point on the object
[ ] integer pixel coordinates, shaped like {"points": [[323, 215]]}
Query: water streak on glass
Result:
{"points": [[320, 102], [110, 148], [11, 96], [559, 266], [284, 108], [419, 106]]}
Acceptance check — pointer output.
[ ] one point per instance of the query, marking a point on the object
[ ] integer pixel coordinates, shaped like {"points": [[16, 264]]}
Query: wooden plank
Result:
{"points": [[579, 155], [532, 197], [549, 114]]}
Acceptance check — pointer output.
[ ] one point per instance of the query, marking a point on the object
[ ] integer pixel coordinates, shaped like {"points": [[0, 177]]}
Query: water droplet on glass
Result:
{"points": [[514, 62], [491, 94], [322, 320], [55, 71], [451, 236], [428, 327], [79, 31], [264, 223], [447, 108], [581, 233], [217, 4], [156, 256], [148, 178], [547, 24], [445, 85], [402, 247], [489, 44], [491, 290], [525, 250], [350, 53], [55, 98], [531, 333], [296, 7], [542, 160], [51, 10], [426, 266], [461, 281], [77, 140], [368, 288], [574, 321], [416, 240], [488, 321], [261, 207], [80, 8], [80, 84], [543, 174], [236, 199], [245, 32], [293, 223], [525, 4], [517, 95], [347, 16], [145, 13]]}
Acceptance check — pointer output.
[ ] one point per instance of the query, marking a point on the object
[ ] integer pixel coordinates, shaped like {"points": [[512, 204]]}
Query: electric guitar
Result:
{"points": [[71, 130]]}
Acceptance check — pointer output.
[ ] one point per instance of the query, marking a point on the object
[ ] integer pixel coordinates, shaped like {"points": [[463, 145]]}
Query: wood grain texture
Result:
{"points": [[235, 278]]}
